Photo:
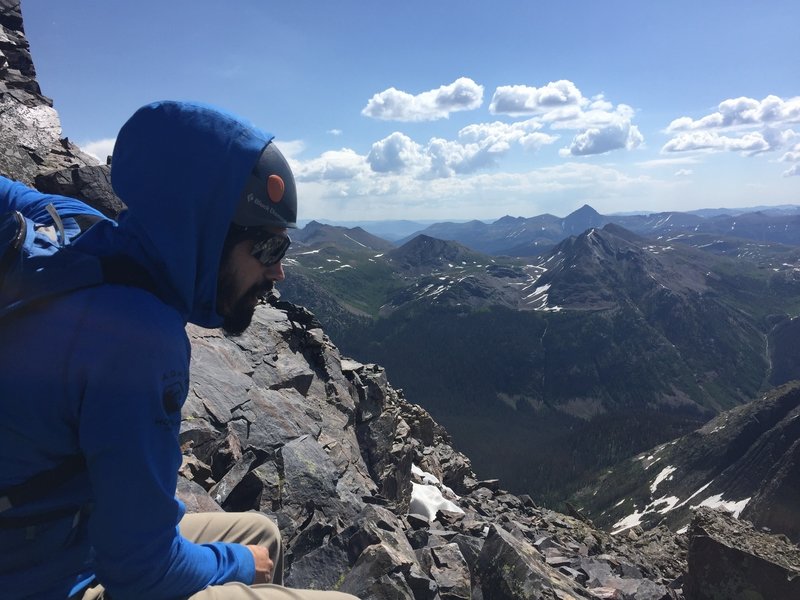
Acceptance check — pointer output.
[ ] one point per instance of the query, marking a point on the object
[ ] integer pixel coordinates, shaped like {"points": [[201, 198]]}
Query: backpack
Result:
{"points": [[37, 261], [37, 264]]}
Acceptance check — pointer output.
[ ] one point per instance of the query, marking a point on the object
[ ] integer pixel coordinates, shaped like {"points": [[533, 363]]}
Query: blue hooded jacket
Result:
{"points": [[104, 371]]}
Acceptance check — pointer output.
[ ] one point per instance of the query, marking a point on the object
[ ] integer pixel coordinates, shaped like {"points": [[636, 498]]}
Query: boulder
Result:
{"points": [[449, 569], [728, 559], [512, 568], [92, 184]]}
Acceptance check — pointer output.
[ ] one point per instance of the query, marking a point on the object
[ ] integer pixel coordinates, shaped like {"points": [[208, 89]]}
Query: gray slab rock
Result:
{"points": [[729, 559], [323, 568], [449, 569], [226, 486], [90, 184], [195, 497], [510, 568]]}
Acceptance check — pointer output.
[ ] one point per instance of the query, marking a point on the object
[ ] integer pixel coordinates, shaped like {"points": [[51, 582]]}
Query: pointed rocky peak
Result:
{"points": [[312, 226], [342, 237], [582, 219], [600, 268], [605, 243]]}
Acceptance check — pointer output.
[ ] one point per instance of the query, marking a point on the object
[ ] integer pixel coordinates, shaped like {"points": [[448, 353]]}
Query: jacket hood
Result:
{"points": [[180, 168]]}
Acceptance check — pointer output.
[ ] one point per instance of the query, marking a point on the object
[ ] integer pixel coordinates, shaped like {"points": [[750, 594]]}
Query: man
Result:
{"points": [[101, 373]]}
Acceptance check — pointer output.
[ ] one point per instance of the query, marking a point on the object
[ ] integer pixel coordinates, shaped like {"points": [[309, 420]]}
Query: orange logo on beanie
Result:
{"points": [[275, 188]]}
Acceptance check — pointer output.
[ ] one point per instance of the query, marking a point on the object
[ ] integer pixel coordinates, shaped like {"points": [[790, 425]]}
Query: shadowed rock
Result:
{"points": [[729, 559]]}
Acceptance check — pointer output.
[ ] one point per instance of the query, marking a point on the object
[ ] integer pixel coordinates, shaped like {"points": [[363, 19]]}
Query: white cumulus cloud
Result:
{"points": [[449, 158], [334, 165], [599, 140], [772, 110], [792, 171], [477, 146], [744, 125], [793, 156], [99, 149], [396, 153], [519, 100], [498, 137], [601, 126], [749, 143], [396, 105]]}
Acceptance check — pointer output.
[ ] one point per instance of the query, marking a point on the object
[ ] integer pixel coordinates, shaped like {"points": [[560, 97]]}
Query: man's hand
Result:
{"points": [[263, 564]]}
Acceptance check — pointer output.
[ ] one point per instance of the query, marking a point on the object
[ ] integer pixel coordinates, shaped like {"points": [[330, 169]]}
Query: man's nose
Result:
{"points": [[275, 272]]}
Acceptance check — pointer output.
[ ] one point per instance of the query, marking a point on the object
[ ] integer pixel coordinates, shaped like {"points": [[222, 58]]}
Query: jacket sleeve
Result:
{"points": [[135, 379], [33, 204]]}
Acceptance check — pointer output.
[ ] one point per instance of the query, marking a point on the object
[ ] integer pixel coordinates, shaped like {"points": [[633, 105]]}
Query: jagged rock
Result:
{"points": [[266, 480], [30, 130], [449, 569], [729, 559], [222, 490], [309, 474], [91, 184], [383, 435], [323, 568], [512, 568], [385, 557], [195, 497], [470, 548], [195, 470]]}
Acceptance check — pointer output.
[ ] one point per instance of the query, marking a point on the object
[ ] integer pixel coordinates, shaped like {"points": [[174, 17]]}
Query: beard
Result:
{"points": [[237, 311], [238, 318]]}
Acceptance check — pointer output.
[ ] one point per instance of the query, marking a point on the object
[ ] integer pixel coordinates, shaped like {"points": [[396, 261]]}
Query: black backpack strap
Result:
{"points": [[13, 230], [122, 270], [37, 487]]}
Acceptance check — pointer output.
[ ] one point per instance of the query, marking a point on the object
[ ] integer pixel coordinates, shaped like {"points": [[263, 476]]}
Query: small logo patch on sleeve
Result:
{"points": [[173, 397]]}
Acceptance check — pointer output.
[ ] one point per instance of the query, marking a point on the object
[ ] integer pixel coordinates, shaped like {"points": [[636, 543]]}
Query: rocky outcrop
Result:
{"points": [[728, 559], [91, 184], [370, 495], [30, 130]]}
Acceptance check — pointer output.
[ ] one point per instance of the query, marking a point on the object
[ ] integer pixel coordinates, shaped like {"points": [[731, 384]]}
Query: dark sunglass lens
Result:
{"points": [[272, 249]]}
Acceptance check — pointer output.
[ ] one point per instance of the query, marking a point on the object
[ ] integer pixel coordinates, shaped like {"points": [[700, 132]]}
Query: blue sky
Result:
{"points": [[445, 110]]}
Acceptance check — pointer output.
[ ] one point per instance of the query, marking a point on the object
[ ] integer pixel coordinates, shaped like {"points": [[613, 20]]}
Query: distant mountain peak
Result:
{"points": [[424, 250], [584, 210], [582, 219], [509, 220], [319, 233]]}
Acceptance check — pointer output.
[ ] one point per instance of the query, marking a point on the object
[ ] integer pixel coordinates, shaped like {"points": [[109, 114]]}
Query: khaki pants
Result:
{"points": [[240, 528]]}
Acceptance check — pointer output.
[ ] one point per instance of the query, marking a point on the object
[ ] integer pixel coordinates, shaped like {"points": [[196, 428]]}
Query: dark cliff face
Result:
{"points": [[30, 136], [745, 459]]}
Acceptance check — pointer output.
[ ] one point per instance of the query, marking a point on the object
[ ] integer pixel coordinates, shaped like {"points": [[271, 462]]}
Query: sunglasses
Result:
{"points": [[270, 248]]}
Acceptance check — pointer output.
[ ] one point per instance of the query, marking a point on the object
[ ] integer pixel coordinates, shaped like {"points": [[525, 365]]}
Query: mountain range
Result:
{"points": [[599, 348], [520, 236], [606, 343]]}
